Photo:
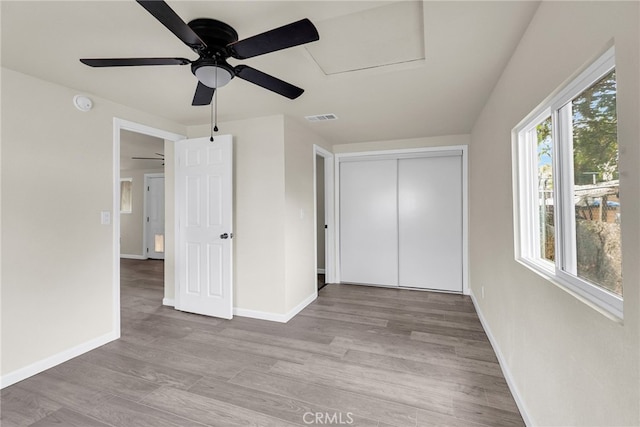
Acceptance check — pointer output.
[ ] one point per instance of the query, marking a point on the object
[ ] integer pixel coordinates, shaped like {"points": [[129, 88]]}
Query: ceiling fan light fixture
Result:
{"points": [[213, 76]]}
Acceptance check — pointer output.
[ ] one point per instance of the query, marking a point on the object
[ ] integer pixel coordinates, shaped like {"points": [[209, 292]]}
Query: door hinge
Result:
{"points": [[147, 219], [148, 188], [147, 250], [326, 226]]}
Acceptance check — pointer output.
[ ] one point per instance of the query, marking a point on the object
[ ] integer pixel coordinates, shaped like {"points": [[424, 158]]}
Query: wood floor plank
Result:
{"points": [[285, 342], [454, 390], [20, 407], [286, 408], [260, 349], [333, 328], [70, 395], [434, 419], [214, 352], [125, 413], [427, 368], [383, 311], [339, 400], [68, 418], [154, 373], [223, 367], [209, 411], [78, 371], [487, 415], [351, 318], [371, 387], [278, 329], [395, 347]]}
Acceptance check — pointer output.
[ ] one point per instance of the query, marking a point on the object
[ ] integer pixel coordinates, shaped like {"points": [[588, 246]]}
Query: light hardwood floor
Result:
{"points": [[358, 356]]}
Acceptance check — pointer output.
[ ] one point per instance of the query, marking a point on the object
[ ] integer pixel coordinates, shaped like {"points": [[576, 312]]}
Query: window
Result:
{"points": [[567, 209], [126, 189]]}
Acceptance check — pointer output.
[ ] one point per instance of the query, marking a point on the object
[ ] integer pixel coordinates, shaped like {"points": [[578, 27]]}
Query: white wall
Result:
{"points": [[300, 249], [570, 364], [57, 259], [132, 224]]}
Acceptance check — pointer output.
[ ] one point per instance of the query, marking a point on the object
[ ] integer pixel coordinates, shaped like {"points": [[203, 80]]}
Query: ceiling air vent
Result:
{"points": [[321, 117]]}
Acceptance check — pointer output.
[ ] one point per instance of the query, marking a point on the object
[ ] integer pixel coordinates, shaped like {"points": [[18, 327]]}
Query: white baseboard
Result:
{"points": [[321, 271], [503, 365], [130, 256], [169, 301], [56, 359], [276, 317]]}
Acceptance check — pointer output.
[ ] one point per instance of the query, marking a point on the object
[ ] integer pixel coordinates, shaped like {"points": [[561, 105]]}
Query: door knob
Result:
{"points": [[224, 236]]}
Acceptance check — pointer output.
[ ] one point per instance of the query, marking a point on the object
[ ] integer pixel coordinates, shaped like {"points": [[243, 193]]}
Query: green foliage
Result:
{"points": [[595, 136]]}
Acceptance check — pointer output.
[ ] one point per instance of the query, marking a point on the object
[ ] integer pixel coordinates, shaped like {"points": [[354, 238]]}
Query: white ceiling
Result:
{"points": [[466, 46]]}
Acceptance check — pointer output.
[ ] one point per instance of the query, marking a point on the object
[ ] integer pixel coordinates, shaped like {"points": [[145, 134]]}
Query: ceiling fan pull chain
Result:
{"points": [[215, 125], [211, 127], [211, 108]]}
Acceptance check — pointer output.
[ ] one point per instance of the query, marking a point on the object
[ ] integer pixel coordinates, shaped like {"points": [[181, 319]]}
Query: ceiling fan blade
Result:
{"points": [[268, 82], [128, 62], [203, 95], [167, 17], [294, 34]]}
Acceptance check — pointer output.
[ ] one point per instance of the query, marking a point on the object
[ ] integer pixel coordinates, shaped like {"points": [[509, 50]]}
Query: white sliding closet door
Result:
{"points": [[369, 222], [430, 223]]}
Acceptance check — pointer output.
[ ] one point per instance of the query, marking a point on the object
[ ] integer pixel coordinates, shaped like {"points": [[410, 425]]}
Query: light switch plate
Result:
{"points": [[105, 217]]}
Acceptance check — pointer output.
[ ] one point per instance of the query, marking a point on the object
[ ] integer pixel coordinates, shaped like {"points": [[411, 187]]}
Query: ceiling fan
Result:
{"points": [[214, 42], [161, 157]]}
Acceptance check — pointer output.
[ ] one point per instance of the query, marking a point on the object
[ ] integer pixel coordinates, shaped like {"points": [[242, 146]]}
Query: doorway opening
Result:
{"points": [[325, 233], [129, 221]]}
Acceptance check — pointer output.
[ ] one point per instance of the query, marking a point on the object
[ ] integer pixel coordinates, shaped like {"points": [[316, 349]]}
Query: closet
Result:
{"points": [[401, 220]]}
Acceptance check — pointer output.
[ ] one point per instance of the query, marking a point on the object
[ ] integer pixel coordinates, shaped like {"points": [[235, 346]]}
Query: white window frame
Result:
{"points": [[525, 172]]}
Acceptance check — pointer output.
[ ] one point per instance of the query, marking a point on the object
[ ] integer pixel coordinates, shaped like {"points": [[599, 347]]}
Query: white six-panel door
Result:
{"points": [[204, 235]]}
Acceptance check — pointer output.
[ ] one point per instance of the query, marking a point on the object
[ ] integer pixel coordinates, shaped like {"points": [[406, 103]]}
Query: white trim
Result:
{"points": [[132, 256], [524, 412], [56, 359], [169, 302], [446, 150], [276, 317], [119, 125], [329, 213]]}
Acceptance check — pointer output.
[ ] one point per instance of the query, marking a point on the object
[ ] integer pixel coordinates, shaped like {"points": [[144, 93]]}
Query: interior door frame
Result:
{"points": [[329, 213], [119, 125], [145, 224], [408, 153]]}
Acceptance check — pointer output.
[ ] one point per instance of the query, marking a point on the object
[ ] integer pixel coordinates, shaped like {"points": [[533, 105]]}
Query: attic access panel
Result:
{"points": [[383, 36]]}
